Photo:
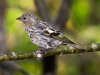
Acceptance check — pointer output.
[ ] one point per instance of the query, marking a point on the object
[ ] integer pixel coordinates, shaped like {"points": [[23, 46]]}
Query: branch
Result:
{"points": [[58, 51], [13, 66], [63, 14], [42, 9]]}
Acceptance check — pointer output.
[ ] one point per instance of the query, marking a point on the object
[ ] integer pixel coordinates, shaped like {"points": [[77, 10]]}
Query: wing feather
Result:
{"points": [[56, 34]]}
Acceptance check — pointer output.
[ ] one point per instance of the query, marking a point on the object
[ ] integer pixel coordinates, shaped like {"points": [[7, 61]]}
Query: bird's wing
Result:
{"points": [[48, 30], [57, 35], [53, 33]]}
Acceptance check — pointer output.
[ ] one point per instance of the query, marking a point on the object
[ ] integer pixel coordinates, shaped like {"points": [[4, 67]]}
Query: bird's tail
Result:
{"points": [[72, 44]]}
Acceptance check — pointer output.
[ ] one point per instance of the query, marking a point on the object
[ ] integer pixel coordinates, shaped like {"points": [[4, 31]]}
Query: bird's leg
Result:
{"points": [[39, 52]]}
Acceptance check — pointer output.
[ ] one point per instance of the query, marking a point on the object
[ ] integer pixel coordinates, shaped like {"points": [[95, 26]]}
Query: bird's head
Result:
{"points": [[27, 18]]}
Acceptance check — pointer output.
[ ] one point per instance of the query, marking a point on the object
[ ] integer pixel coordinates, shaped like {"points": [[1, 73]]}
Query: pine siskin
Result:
{"points": [[42, 34]]}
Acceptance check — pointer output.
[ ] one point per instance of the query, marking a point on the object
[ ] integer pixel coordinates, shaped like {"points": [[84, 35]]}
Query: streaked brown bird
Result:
{"points": [[42, 34]]}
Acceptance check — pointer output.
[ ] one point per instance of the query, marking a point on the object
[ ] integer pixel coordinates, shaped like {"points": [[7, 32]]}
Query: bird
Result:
{"points": [[42, 34]]}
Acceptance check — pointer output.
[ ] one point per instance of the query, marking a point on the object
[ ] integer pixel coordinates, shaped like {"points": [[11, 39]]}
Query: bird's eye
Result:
{"points": [[24, 18]]}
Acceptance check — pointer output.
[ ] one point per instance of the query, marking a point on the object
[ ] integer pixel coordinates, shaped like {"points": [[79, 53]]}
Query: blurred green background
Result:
{"points": [[82, 26]]}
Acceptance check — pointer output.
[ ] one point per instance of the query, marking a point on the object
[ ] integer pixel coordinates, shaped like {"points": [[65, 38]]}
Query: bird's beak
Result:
{"points": [[19, 18]]}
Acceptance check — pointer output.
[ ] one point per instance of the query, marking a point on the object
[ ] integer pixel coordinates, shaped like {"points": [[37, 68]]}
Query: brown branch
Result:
{"points": [[63, 14], [42, 10], [13, 66], [3, 5], [58, 51]]}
